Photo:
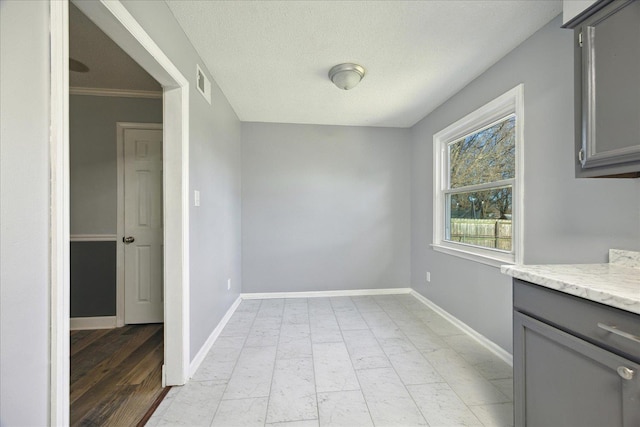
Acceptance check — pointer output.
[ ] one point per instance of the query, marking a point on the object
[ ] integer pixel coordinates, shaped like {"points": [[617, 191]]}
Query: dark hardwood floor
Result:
{"points": [[115, 375]]}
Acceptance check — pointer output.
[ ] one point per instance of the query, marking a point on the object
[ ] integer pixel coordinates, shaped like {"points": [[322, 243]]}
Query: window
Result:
{"points": [[477, 183]]}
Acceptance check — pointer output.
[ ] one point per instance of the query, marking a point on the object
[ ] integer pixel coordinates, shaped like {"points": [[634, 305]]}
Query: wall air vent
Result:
{"points": [[203, 84]]}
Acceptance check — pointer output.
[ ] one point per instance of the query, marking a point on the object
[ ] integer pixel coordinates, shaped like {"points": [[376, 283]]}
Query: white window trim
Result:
{"points": [[508, 103]]}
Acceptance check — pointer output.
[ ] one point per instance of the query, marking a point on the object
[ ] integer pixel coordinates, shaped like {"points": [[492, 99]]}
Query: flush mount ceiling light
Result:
{"points": [[77, 66], [346, 76]]}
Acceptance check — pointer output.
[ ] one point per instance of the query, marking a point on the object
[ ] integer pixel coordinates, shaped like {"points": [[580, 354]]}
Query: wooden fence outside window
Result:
{"points": [[488, 233]]}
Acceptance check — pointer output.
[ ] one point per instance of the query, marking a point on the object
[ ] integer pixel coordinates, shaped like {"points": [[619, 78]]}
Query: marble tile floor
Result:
{"points": [[344, 361]]}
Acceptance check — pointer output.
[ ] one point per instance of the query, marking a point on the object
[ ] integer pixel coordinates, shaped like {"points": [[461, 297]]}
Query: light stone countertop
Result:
{"points": [[616, 284]]}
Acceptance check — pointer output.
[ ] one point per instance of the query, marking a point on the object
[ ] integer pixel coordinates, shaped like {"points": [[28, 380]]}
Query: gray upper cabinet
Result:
{"points": [[607, 63], [572, 9]]}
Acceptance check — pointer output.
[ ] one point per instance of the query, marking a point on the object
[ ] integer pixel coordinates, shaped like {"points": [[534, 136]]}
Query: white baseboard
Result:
{"points": [[319, 294], [103, 322], [202, 353], [486, 342], [204, 350]]}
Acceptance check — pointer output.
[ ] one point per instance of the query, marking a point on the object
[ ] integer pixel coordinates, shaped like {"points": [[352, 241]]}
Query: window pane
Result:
{"points": [[484, 156], [481, 218]]}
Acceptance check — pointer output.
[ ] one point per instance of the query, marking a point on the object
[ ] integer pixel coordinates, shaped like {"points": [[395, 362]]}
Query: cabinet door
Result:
{"points": [[611, 86], [561, 380]]}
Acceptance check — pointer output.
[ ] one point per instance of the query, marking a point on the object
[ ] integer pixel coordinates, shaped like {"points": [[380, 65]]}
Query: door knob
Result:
{"points": [[129, 239], [626, 373]]}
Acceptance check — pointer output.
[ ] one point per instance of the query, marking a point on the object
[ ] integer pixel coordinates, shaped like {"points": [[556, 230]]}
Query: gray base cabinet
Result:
{"points": [[568, 370]]}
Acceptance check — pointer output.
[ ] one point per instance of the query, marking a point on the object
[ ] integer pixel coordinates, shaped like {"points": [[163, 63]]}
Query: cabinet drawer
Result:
{"points": [[580, 317]]}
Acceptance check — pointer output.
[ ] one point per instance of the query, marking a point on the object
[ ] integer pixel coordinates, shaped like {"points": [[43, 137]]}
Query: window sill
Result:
{"points": [[493, 261]]}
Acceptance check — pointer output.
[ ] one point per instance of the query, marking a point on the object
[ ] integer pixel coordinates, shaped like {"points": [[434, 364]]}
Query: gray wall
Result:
{"points": [[567, 220], [214, 137], [92, 155], [324, 207], [24, 213], [93, 279]]}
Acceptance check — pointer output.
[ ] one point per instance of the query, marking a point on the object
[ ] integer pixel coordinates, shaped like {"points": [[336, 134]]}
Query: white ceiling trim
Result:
{"points": [[120, 93]]}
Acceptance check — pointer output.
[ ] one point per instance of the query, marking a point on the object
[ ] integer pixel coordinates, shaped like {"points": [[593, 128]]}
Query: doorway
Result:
{"points": [[116, 352], [115, 20], [140, 258]]}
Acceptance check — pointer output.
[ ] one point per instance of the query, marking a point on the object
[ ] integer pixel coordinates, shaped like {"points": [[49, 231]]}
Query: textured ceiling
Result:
{"points": [[271, 58], [109, 66]]}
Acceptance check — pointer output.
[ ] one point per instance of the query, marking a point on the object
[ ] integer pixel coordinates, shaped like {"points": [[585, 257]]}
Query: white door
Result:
{"points": [[143, 237]]}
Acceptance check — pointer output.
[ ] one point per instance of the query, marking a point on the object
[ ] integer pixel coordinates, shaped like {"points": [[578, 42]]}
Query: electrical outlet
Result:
{"points": [[228, 284], [428, 276], [196, 198]]}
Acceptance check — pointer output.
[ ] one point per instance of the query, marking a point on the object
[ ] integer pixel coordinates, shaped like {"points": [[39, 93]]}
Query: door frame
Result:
{"points": [[116, 21], [121, 127]]}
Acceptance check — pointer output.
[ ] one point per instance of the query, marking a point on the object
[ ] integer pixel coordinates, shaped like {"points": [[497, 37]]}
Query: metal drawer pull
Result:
{"points": [[615, 330], [625, 373]]}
